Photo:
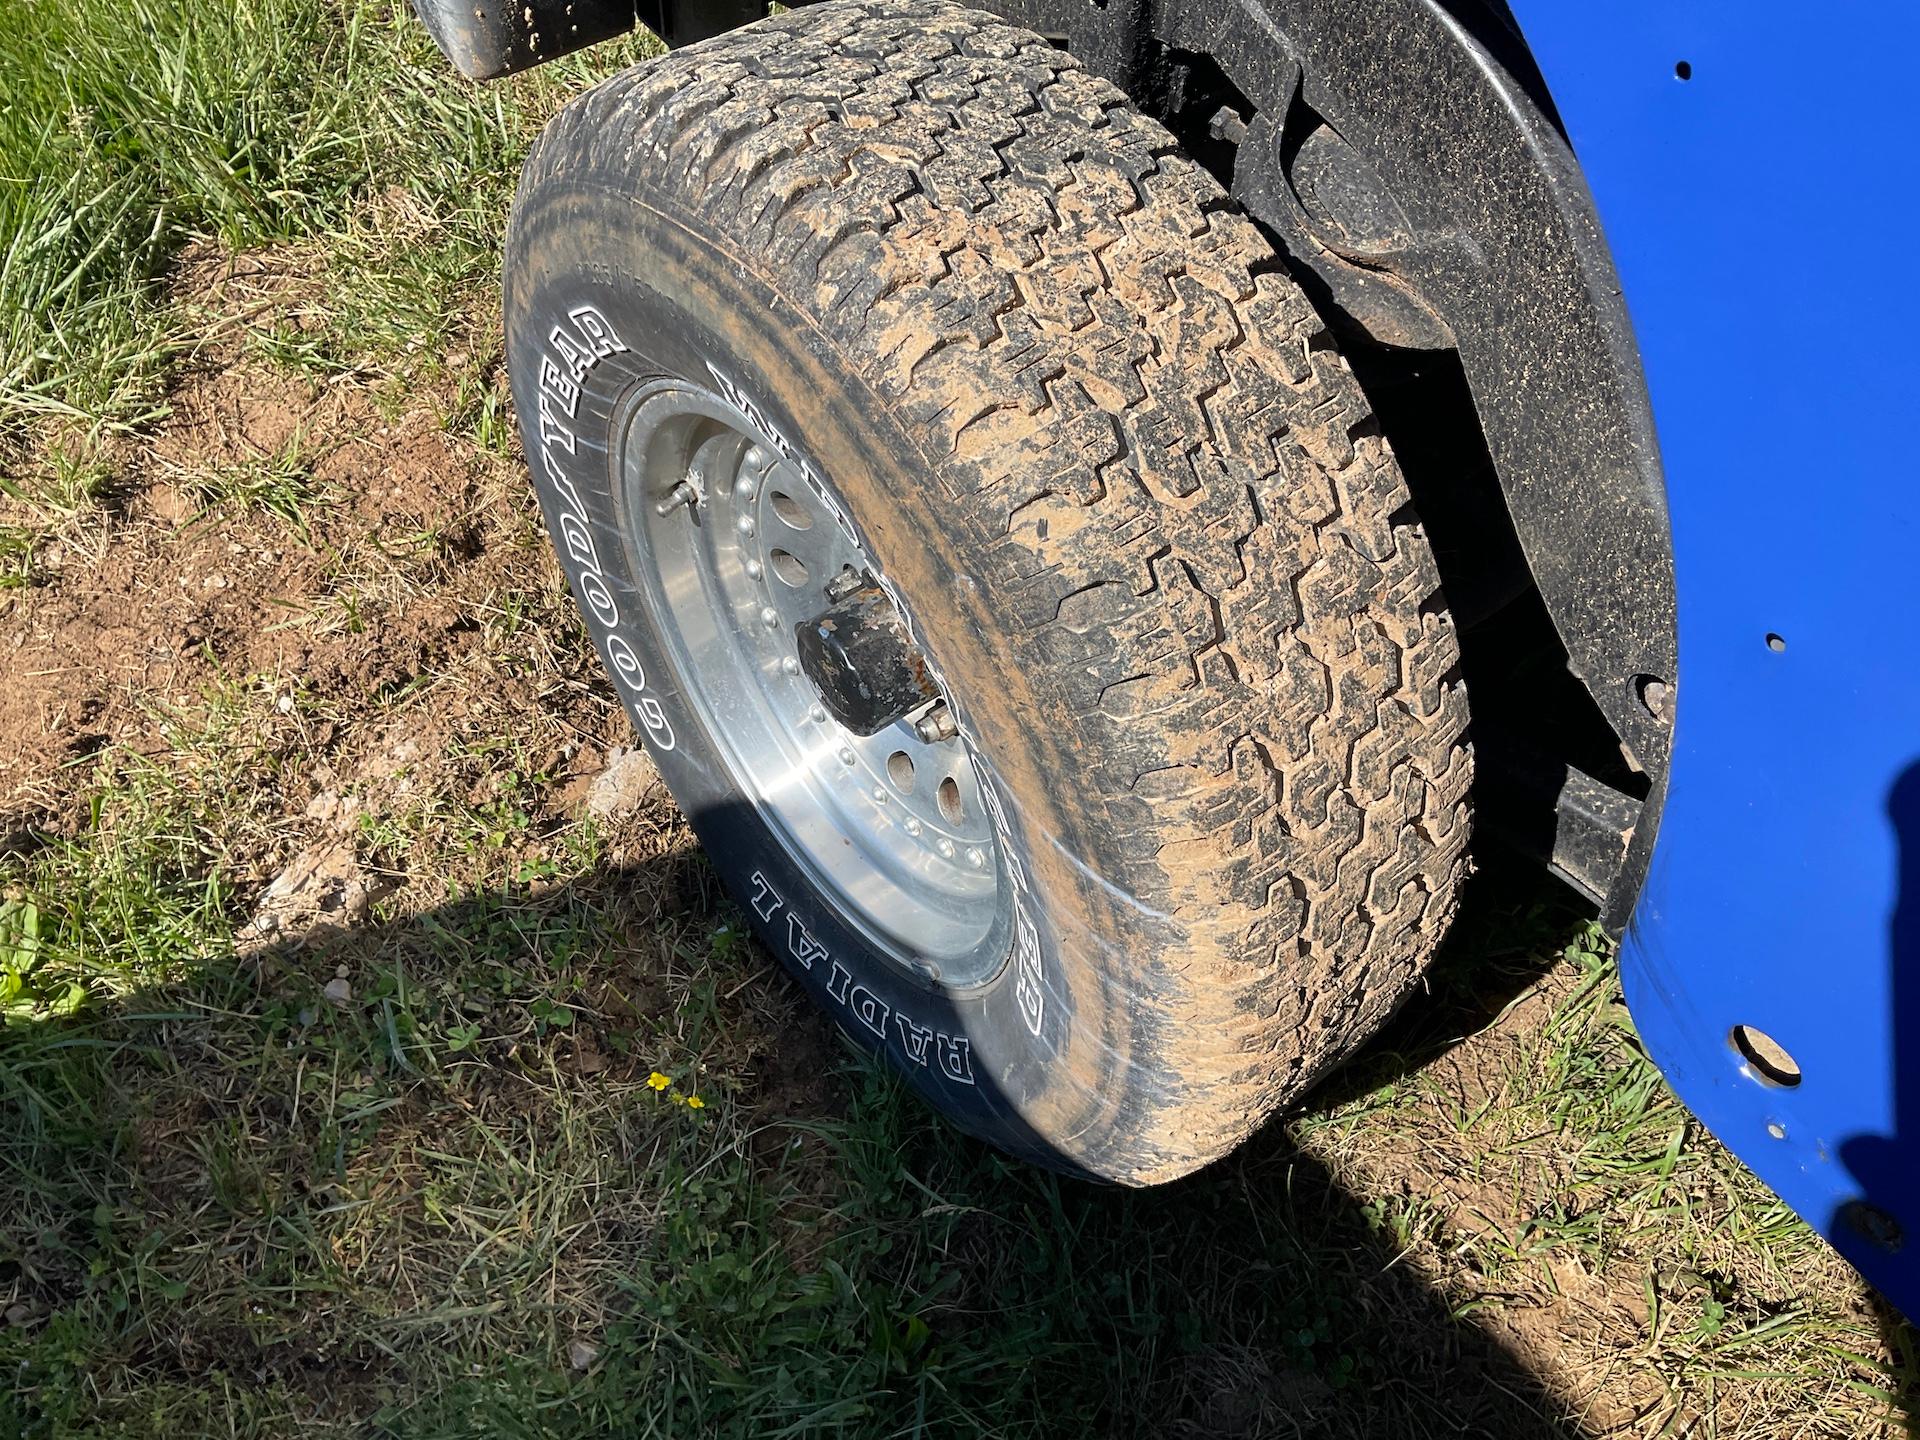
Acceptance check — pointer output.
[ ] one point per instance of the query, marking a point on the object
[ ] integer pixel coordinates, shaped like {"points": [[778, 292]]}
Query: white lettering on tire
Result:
{"points": [[952, 1054], [574, 348]]}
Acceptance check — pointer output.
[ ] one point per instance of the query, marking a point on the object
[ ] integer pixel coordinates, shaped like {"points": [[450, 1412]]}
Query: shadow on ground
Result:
{"points": [[892, 1261]]}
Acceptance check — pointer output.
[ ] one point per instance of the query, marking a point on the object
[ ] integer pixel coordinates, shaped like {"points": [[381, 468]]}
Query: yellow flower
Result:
{"points": [[694, 1102], [658, 1081]]}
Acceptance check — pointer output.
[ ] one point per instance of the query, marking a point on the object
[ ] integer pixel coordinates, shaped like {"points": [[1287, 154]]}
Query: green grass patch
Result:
{"points": [[132, 128], [280, 484]]}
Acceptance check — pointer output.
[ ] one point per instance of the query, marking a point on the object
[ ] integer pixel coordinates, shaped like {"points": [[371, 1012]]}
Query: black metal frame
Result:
{"points": [[1407, 158]]}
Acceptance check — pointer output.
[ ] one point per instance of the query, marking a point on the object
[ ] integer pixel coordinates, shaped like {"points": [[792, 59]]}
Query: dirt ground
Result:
{"points": [[341, 580], [407, 533]]}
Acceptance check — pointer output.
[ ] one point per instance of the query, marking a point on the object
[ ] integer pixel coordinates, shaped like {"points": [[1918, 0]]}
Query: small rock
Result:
{"points": [[620, 788], [322, 888], [582, 1354], [338, 992], [20, 1312]]}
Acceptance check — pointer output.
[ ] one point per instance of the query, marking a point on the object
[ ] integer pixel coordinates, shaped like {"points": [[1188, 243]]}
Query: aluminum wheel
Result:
{"points": [[739, 546]]}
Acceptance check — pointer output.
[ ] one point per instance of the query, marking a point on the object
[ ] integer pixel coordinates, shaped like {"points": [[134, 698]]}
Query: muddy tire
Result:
{"points": [[1017, 360]]}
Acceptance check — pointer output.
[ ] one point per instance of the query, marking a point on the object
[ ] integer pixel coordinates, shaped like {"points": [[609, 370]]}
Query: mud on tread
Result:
{"points": [[1138, 413]]}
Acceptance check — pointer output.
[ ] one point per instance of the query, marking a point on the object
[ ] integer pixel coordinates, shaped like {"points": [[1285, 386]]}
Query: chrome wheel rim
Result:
{"points": [[734, 545]]}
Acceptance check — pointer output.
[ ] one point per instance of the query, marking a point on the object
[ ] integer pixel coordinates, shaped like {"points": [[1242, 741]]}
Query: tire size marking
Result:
{"points": [[952, 1055], [573, 350], [1029, 988]]}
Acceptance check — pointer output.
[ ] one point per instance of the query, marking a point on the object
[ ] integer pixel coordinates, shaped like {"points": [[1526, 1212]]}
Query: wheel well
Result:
{"points": [[1535, 721]]}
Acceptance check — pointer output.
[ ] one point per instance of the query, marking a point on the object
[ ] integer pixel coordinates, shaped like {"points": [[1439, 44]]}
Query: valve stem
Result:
{"points": [[681, 494]]}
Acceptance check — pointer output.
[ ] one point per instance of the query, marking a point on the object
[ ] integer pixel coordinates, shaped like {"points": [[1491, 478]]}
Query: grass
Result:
{"points": [[398, 1163], [130, 131], [280, 483]]}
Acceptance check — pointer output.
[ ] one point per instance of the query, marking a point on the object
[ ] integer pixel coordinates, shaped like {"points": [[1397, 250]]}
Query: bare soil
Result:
{"points": [[170, 597]]}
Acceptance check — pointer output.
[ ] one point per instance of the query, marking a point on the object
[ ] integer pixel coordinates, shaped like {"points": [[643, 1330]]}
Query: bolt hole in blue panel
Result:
{"points": [[1766, 1062], [1761, 225]]}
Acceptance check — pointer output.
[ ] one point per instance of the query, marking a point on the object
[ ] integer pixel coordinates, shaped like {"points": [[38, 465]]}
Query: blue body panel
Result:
{"points": [[1761, 213]]}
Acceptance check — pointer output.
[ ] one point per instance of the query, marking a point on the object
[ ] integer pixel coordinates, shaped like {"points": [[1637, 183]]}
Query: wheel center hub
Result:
{"points": [[861, 659]]}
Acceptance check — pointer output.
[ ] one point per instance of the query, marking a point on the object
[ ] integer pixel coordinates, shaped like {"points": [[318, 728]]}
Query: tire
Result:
{"points": [[1131, 508]]}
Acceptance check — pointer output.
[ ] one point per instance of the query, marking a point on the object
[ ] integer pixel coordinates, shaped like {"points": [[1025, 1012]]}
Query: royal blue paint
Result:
{"points": [[1763, 214]]}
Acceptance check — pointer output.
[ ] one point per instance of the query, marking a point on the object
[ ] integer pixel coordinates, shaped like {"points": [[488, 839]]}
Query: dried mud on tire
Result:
{"points": [[1126, 481]]}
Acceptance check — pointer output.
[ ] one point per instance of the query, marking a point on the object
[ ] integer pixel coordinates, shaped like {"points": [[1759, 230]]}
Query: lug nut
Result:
{"points": [[818, 714], [769, 616], [936, 725], [744, 525], [977, 859], [754, 570], [744, 488], [846, 757], [790, 665], [913, 826], [945, 847]]}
